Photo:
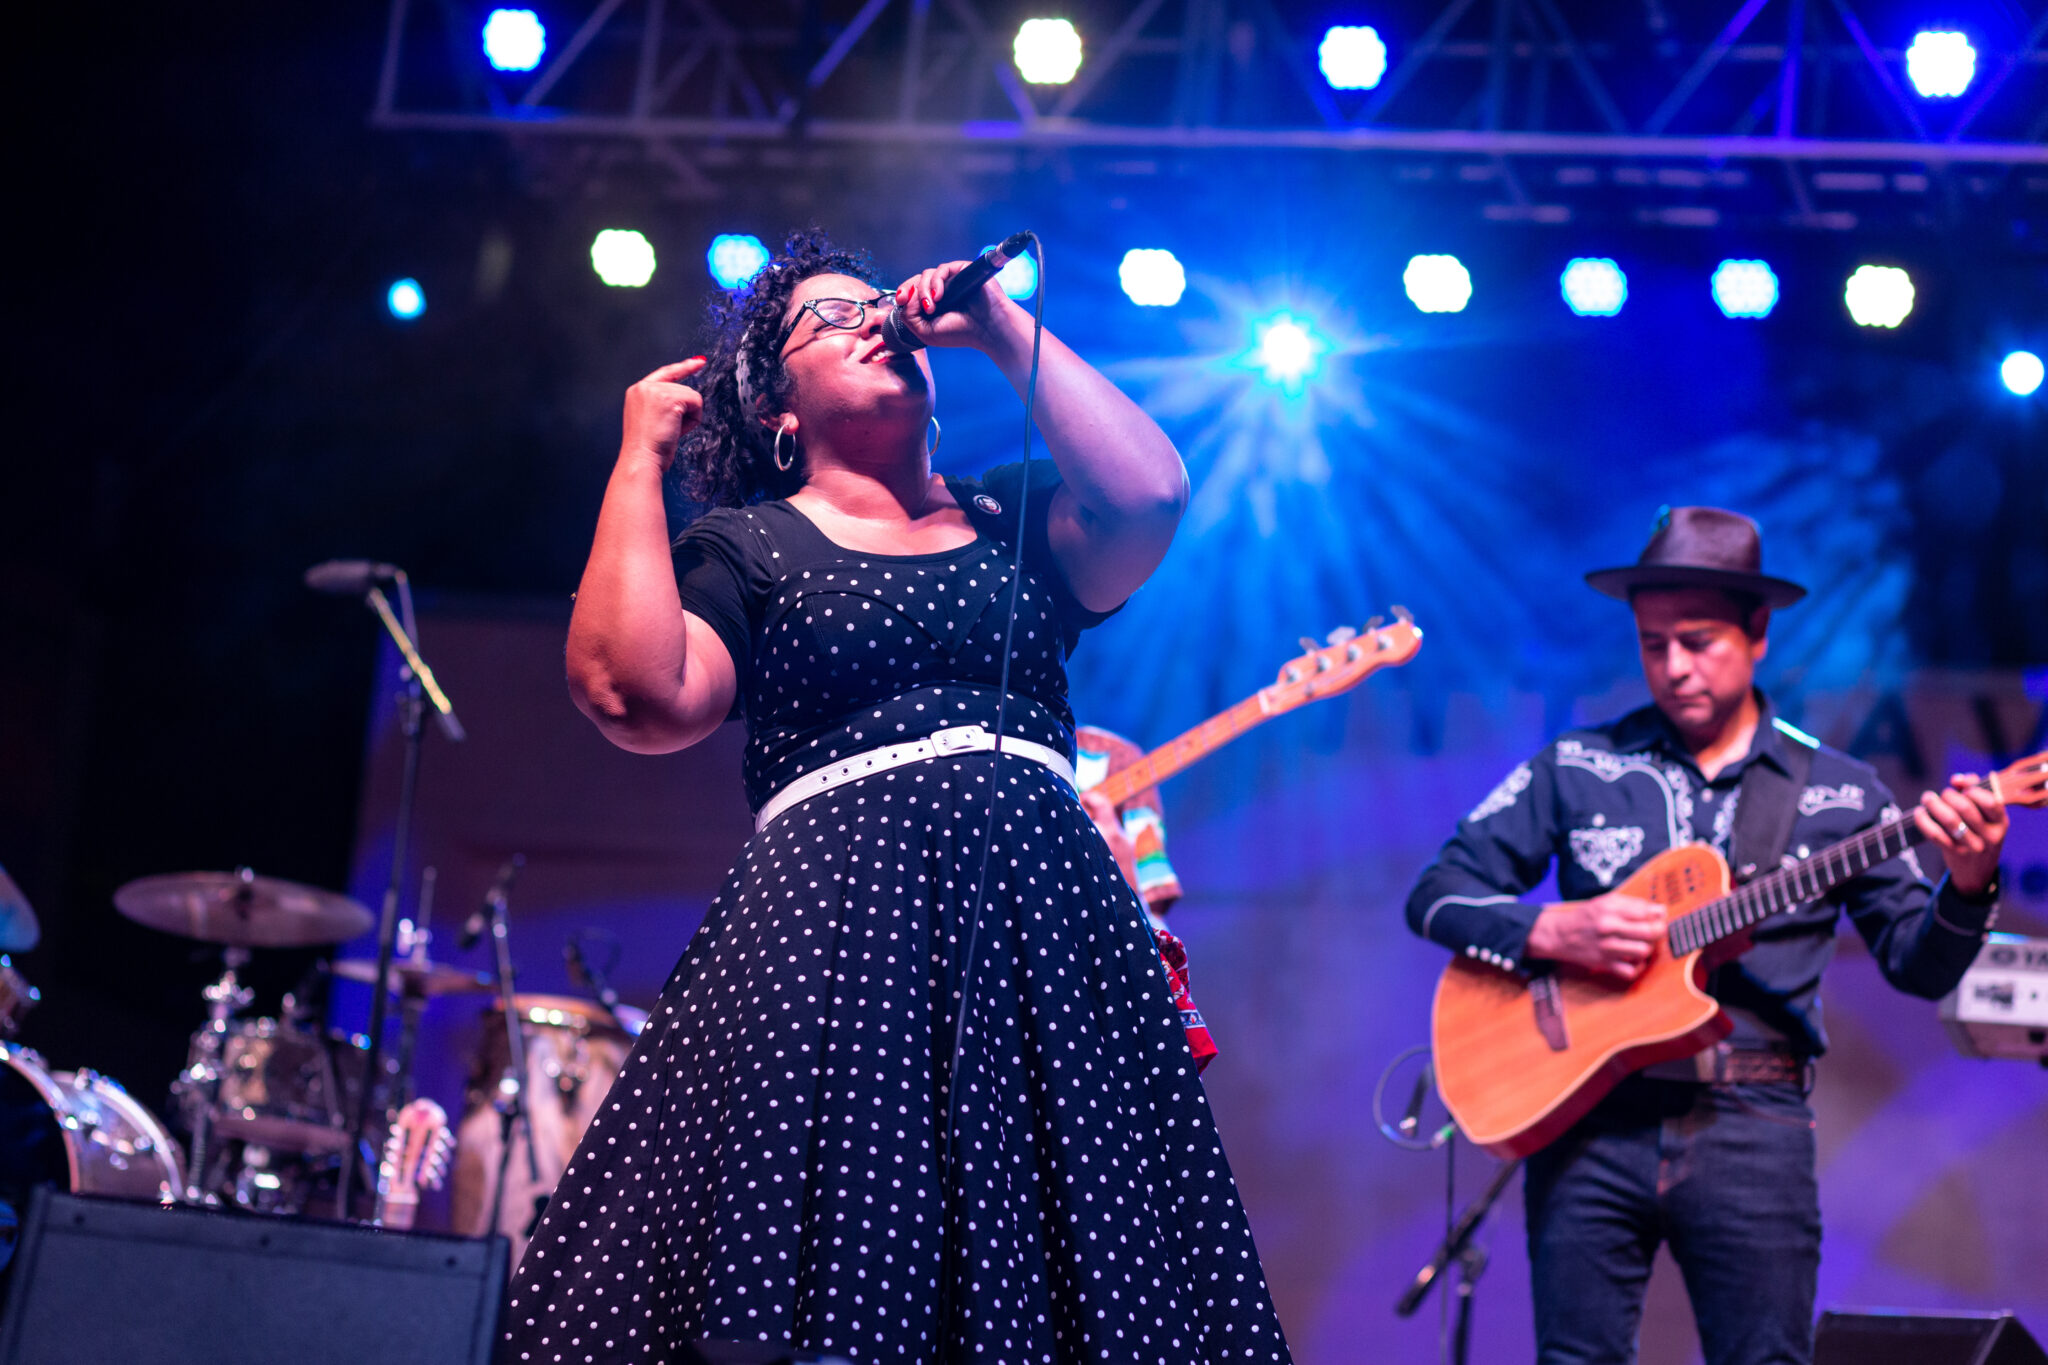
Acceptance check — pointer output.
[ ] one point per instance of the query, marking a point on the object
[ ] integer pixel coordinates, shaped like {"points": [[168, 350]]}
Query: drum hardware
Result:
{"points": [[510, 1100], [419, 687]]}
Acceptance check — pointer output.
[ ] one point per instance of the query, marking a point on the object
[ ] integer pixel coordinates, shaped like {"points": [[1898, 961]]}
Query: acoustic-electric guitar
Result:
{"points": [[1521, 1056]]}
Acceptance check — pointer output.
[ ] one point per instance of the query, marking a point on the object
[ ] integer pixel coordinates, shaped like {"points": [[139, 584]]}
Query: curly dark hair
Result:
{"points": [[728, 460]]}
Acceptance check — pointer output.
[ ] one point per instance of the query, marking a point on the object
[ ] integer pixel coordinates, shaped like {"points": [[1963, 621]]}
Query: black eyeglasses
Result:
{"points": [[845, 314]]}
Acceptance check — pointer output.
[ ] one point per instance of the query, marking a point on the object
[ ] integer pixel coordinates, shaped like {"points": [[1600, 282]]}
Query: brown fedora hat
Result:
{"points": [[1700, 547]]}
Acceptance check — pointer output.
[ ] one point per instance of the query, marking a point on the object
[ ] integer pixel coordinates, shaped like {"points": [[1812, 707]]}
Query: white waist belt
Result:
{"points": [[961, 739]]}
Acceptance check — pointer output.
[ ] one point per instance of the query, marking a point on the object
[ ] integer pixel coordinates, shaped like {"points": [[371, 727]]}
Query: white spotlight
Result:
{"points": [[1437, 284], [406, 300], [514, 39], [1593, 286], [1940, 63], [622, 258], [1152, 278], [1048, 51], [1879, 295], [1352, 57], [2021, 371]]}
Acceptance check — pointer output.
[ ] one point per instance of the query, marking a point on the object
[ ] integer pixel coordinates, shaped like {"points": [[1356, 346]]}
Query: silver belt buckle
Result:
{"points": [[959, 739]]}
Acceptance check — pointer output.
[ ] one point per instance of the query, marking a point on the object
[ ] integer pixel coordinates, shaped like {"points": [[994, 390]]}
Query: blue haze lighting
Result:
{"points": [[1745, 289], [514, 39], [406, 300], [2022, 372], [1593, 286], [1152, 278], [1288, 351], [1940, 63], [1019, 278], [1437, 284], [735, 258], [1352, 57]]}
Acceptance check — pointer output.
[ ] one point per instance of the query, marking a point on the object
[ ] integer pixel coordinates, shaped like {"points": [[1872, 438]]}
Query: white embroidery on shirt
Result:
{"points": [[1503, 796], [1612, 767], [1814, 800], [1724, 821], [1604, 852]]}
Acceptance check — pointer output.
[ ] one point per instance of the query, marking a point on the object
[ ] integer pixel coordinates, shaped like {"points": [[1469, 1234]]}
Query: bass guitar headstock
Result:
{"points": [[2024, 783], [1347, 659]]}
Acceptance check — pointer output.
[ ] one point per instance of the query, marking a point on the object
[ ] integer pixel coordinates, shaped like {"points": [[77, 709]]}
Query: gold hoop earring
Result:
{"points": [[937, 436], [781, 463]]}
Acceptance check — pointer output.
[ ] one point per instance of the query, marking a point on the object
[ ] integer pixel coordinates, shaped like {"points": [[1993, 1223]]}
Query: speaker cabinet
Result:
{"points": [[108, 1280], [1886, 1337]]}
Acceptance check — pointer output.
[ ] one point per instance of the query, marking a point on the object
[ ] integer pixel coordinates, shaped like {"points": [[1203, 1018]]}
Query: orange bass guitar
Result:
{"points": [[1520, 1057]]}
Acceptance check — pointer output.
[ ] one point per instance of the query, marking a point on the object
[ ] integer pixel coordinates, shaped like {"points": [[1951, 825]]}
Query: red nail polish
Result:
{"points": [[694, 357]]}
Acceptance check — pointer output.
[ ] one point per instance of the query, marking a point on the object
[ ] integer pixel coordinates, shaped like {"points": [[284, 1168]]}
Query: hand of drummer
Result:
{"points": [[1612, 934], [662, 409], [978, 324], [1967, 823]]}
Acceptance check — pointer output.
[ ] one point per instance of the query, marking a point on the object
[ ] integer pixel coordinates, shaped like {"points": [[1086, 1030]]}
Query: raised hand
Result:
{"points": [[662, 409]]}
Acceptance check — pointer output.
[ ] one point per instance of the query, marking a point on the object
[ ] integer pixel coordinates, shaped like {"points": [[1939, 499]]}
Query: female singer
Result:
{"points": [[794, 1152]]}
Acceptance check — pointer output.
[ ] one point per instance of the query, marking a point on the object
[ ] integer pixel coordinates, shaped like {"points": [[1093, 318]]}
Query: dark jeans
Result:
{"points": [[1724, 1174]]}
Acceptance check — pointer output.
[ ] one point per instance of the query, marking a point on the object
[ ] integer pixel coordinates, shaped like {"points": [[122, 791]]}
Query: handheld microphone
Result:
{"points": [[958, 291], [349, 577], [493, 902]]}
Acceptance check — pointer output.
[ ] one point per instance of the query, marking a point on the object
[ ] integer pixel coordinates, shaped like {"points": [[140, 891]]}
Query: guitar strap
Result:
{"points": [[1769, 807]]}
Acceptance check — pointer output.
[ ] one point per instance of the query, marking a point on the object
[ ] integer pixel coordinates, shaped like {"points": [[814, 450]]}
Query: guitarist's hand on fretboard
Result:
{"points": [[1613, 934], [1967, 823]]}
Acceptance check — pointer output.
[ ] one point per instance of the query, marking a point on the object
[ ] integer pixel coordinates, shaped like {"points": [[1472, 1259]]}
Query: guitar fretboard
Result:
{"points": [[1181, 752], [1806, 880]]}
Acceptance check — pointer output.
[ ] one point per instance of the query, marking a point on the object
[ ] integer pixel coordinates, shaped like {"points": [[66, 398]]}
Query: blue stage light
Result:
{"points": [[1152, 278], [1288, 351], [1745, 289], [406, 300], [1352, 57], [2022, 372], [1437, 284], [1019, 278], [514, 39], [1593, 286], [735, 258], [1940, 63]]}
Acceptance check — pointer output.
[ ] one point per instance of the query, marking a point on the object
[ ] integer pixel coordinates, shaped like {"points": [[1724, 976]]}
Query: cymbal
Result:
{"points": [[411, 977], [242, 910], [19, 931]]}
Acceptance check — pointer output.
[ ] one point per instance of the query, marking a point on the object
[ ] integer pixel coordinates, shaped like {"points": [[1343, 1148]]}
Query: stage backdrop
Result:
{"points": [[1297, 847]]}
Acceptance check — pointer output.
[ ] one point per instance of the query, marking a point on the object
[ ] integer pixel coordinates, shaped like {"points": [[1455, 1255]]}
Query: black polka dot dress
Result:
{"points": [[774, 1160]]}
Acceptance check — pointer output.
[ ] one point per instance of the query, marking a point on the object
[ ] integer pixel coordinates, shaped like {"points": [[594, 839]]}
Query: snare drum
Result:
{"points": [[80, 1130], [574, 1050]]}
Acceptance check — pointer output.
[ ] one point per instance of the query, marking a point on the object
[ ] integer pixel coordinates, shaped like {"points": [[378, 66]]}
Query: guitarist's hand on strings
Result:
{"points": [[1967, 823], [1613, 934]]}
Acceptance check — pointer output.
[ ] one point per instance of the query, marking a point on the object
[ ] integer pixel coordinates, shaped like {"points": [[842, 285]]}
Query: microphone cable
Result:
{"points": [[952, 1243]]}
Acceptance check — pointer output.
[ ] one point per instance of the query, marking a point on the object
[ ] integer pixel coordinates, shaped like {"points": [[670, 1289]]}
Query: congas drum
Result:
{"points": [[81, 1131], [574, 1049]]}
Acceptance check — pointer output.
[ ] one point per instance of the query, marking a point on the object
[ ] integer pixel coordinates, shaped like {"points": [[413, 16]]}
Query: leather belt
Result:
{"points": [[960, 739], [1725, 1065]]}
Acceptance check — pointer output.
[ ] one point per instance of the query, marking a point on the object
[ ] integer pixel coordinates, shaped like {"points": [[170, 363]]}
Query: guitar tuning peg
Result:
{"points": [[1401, 614], [1308, 646], [1341, 634], [1374, 624]]}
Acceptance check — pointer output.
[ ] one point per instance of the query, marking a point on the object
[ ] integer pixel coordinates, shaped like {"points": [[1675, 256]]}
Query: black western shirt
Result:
{"points": [[1603, 801]]}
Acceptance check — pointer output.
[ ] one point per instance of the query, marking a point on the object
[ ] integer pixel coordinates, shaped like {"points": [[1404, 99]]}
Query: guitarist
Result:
{"points": [[1713, 1154]]}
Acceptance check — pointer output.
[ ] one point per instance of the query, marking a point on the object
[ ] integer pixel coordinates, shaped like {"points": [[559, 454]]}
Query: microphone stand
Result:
{"points": [[420, 687], [1471, 1258], [511, 1099]]}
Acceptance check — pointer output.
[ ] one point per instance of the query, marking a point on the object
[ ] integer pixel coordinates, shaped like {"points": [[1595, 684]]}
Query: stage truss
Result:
{"points": [[1790, 111]]}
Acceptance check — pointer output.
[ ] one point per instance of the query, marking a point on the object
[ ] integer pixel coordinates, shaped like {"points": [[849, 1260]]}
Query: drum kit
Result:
{"points": [[266, 1104]]}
